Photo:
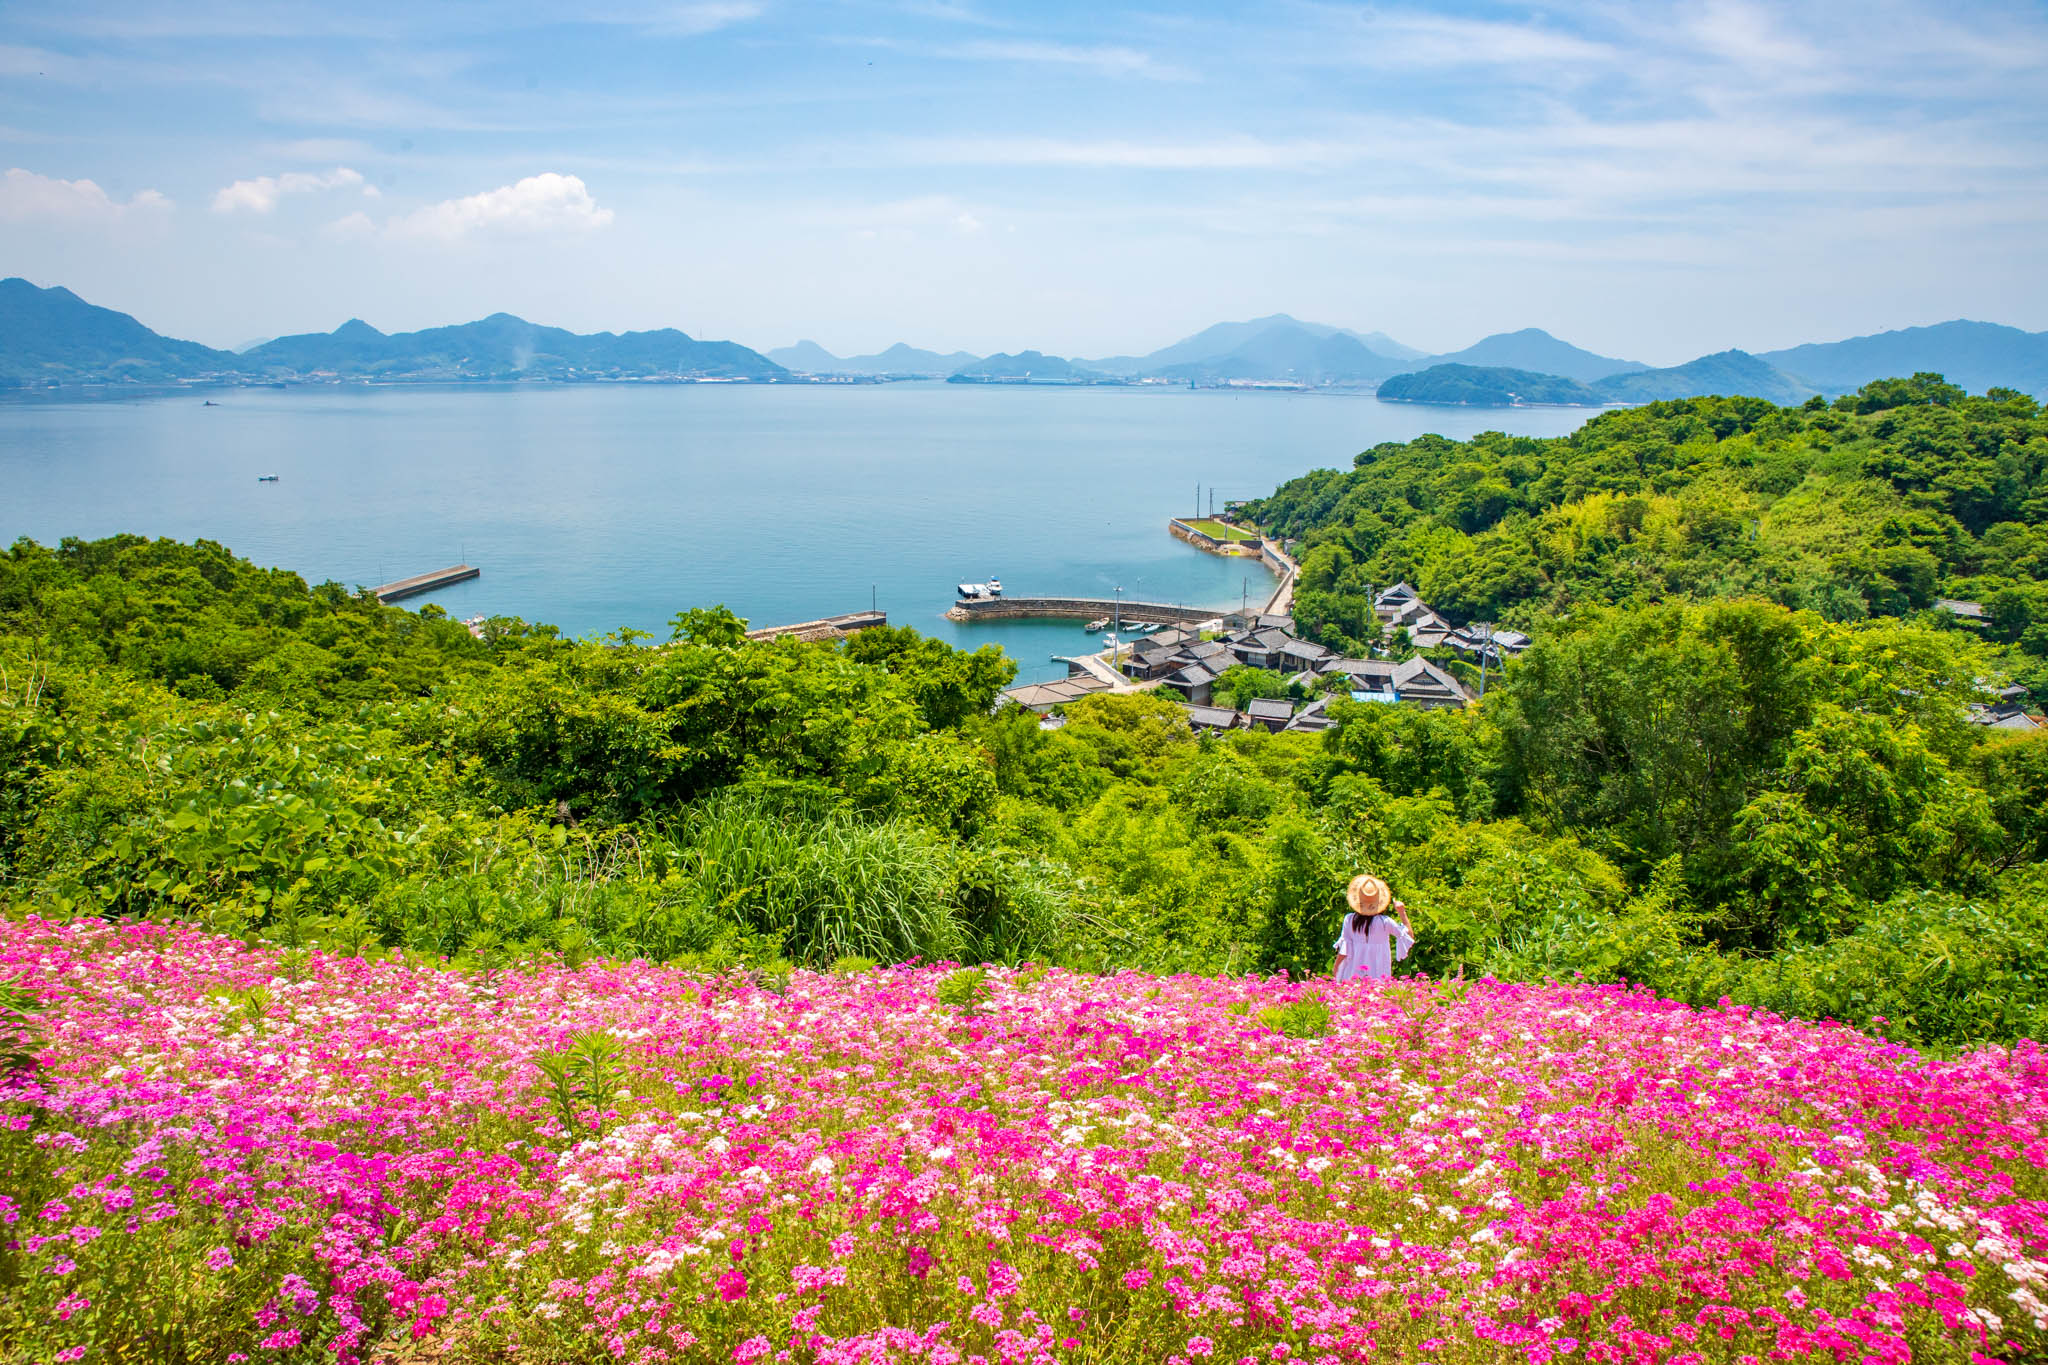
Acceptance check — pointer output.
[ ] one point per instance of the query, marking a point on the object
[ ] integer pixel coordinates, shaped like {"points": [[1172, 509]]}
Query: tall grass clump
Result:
{"points": [[825, 883]]}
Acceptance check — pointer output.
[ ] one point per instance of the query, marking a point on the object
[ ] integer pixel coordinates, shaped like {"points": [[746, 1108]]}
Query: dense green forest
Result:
{"points": [[1736, 761], [1877, 505]]}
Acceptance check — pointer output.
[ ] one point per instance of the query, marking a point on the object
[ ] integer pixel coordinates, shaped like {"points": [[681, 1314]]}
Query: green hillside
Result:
{"points": [[51, 336], [1875, 505], [1728, 372]]}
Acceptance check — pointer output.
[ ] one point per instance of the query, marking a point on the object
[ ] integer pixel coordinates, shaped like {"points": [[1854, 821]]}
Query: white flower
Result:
{"points": [[718, 1146], [821, 1166]]}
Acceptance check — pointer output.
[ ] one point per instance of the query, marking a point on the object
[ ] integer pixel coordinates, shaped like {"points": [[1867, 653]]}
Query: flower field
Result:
{"points": [[234, 1154]]}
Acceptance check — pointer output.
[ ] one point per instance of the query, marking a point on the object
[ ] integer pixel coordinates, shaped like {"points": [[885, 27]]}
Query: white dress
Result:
{"points": [[1370, 953]]}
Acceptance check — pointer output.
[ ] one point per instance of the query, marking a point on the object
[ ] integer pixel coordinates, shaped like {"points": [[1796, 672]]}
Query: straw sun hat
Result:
{"points": [[1368, 894]]}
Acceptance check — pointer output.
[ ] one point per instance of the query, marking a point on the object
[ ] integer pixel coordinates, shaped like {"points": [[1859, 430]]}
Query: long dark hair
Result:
{"points": [[1361, 922]]}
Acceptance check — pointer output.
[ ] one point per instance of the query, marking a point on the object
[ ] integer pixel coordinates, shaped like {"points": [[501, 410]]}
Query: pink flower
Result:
{"points": [[732, 1285], [220, 1258], [1201, 1346], [753, 1348]]}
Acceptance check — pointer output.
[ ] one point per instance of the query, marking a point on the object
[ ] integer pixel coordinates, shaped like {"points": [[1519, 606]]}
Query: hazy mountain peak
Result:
{"points": [[1976, 355], [1536, 350], [355, 329], [1212, 348]]}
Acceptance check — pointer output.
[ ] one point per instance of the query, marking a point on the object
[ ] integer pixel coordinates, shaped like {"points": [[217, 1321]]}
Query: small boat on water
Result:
{"points": [[266, 478], [992, 588], [1099, 623]]}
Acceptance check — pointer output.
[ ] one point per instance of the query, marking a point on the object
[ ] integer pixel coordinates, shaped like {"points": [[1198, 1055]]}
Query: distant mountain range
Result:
{"points": [[54, 336], [1028, 367], [51, 336], [1534, 349], [1496, 386], [1976, 355], [899, 361], [503, 347]]}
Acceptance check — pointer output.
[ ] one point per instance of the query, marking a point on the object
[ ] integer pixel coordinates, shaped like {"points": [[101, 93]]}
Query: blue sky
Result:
{"points": [[1648, 180]]}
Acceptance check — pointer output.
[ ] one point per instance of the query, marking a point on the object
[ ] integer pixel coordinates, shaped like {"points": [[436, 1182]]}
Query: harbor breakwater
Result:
{"points": [[1078, 609]]}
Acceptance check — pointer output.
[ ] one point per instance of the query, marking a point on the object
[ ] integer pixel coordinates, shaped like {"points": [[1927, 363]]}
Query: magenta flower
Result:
{"points": [[1546, 1173]]}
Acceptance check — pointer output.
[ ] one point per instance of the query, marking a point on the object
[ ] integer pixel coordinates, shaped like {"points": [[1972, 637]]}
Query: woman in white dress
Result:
{"points": [[1376, 933]]}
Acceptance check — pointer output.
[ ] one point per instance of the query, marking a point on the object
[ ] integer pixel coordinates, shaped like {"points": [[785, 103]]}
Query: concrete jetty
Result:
{"points": [[825, 627], [425, 582], [1078, 609], [1099, 668]]}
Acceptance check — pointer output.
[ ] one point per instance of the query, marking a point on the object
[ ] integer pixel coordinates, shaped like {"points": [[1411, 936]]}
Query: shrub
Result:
{"points": [[965, 989], [1306, 1018]]}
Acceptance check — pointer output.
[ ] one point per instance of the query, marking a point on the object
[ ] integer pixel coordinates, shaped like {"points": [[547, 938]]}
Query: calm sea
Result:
{"points": [[596, 507]]}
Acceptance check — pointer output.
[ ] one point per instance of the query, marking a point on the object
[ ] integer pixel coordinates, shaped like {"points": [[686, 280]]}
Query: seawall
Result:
{"points": [[1202, 540], [1077, 609]]}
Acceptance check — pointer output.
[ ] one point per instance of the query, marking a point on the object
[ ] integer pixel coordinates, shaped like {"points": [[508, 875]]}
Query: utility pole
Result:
{"points": [[1116, 631], [1485, 632]]}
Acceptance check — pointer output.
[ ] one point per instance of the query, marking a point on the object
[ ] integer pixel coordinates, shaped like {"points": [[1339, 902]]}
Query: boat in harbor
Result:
{"points": [[1099, 623], [992, 588]]}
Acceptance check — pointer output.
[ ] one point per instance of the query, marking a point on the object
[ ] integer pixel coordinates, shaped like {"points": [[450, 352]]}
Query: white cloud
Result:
{"points": [[24, 195], [1107, 61], [1229, 153], [1412, 38], [539, 203], [261, 194], [689, 20], [352, 228]]}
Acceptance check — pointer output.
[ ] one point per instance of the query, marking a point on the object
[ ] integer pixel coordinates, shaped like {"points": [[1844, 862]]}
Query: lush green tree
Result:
{"points": [[949, 685], [714, 627], [1240, 685]]}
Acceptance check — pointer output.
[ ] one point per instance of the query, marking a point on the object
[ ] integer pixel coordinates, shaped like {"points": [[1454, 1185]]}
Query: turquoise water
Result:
{"points": [[595, 507]]}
